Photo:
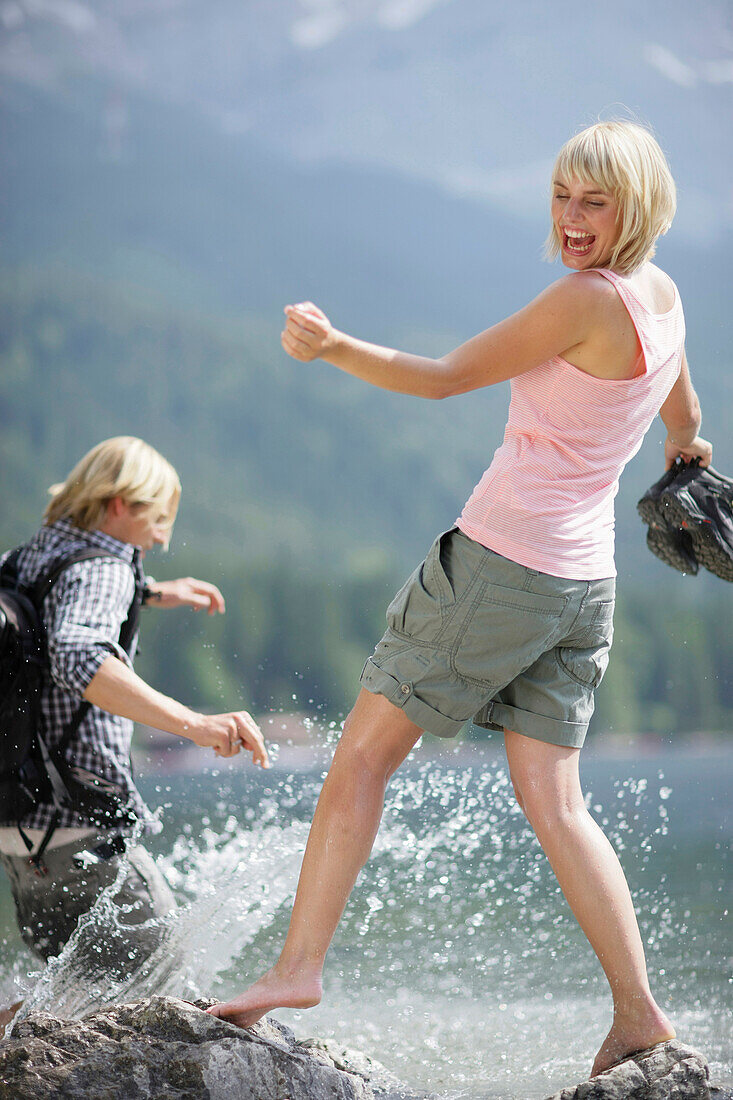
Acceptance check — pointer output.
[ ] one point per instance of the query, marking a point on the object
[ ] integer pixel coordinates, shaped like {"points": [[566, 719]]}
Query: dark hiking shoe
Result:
{"points": [[671, 544], [699, 502], [673, 547], [649, 507]]}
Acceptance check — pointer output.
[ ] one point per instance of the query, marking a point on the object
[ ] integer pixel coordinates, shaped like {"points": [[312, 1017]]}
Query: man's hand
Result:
{"points": [[187, 592], [116, 688], [226, 734], [308, 333]]}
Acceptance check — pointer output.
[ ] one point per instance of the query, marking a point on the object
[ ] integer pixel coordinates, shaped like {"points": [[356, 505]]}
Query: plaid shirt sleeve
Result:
{"points": [[83, 615]]}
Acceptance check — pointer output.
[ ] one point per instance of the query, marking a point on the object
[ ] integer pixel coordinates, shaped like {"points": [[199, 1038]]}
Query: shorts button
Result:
{"points": [[405, 688]]}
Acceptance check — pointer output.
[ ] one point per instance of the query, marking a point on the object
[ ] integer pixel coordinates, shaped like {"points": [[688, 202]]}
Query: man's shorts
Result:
{"points": [[473, 635], [49, 906]]}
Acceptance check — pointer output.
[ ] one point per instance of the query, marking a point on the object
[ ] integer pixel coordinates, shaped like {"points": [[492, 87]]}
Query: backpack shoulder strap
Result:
{"points": [[45, 582], [47, 579], [43, 586], [9, 568]]}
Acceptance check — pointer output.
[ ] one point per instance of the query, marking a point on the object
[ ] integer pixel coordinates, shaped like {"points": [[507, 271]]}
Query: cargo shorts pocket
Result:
{"points": [[586, 666], [419, 609], [504, 633], [587, 659]]}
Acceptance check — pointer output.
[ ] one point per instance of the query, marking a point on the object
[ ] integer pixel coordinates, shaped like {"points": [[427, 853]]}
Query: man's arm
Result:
{"points": [[118, 689], [83, 616], [184, 592]]}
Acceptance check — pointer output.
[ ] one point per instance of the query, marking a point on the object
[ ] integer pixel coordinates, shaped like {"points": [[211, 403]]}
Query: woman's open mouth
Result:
{"points": [[576, 242]]}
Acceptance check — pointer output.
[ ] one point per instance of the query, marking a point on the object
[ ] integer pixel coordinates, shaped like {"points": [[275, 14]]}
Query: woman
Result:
{"points": [[509, 618]]}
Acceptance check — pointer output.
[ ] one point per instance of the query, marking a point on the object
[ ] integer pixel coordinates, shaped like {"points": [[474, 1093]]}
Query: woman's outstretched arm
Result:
{"points": [[560, 318]]}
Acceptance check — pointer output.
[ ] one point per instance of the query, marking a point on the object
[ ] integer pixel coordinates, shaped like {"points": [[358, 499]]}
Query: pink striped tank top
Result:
{"points": [[546, 500]]}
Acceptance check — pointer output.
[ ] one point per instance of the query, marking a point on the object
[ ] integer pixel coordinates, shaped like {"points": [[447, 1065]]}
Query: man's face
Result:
{"points": [[143, 525]]}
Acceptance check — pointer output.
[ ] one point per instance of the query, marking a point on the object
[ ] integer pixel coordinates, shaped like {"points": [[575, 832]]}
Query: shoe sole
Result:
{"points": [[664, 544], [708, 547], [650, 511], [649, 507], [669, 544]]}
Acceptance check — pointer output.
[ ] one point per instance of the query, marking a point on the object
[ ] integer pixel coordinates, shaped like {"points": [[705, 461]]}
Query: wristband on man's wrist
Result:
{"points": [[151, 593]]}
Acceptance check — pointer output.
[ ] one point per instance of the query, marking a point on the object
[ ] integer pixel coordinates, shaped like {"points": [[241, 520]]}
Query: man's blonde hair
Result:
{"points": [[123, 467], [623, 159]]}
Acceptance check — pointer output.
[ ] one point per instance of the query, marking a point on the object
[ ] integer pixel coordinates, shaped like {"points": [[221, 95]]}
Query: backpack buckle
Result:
{"points": [[40, 870]]}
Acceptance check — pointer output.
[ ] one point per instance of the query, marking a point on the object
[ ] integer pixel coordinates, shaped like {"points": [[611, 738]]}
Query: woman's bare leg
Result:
{"points": [[547, 785], [376, 739]]}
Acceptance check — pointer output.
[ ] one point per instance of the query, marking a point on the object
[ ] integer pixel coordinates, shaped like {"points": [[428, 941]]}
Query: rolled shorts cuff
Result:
{"points": [[499, 716], [401, 694]]}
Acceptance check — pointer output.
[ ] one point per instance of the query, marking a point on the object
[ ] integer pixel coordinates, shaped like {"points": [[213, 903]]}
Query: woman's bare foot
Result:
{"points": [[631, 1034], [273, 990]]}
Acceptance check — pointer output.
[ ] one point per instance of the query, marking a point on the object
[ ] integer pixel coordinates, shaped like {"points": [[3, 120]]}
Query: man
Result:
{"points": [[120, 500]]}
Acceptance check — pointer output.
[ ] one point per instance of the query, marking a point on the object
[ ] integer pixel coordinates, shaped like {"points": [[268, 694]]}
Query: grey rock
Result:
{"points": [[353, 1061], [668, 1071], [165, 1049]]}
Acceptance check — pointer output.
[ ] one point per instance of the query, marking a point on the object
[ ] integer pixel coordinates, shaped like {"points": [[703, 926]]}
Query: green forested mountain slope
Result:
{"points": [[307, 497], [273, 454], [142, 295], [229, 225]]}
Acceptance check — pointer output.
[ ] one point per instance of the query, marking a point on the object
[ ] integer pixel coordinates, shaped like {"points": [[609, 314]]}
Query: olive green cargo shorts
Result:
{"points": [[473, 635]]}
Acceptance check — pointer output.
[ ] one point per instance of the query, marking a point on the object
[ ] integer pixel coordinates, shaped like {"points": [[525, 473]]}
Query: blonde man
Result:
{"points": [[118, 502]]}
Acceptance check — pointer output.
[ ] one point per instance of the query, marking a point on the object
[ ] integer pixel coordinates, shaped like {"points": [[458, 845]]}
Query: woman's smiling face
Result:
{"points": [[586, 222]]}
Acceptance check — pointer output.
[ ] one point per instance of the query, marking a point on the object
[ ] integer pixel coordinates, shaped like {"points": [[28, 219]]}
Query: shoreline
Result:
{"points": [[158, 755]]}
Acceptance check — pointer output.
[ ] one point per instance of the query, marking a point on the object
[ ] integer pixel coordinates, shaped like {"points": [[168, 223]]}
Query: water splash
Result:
{"points": [[457, 953], [235, 881]]}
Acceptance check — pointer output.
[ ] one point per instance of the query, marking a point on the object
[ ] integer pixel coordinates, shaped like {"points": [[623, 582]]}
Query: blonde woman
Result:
{"points": [[118, 502], [509, 619]]}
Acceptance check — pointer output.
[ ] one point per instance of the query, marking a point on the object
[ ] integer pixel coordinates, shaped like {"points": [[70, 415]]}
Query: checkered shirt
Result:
{"points": [[83, 614]]}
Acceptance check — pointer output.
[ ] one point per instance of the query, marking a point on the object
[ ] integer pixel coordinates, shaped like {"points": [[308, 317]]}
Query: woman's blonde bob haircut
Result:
{"points": [[123, 467], [624, 160]]}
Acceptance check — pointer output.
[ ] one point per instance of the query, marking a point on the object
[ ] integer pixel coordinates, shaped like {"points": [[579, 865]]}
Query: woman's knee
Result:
{"points": [[545, 780], [546, 804], [352, 751], [376, 736], [530, 799]]}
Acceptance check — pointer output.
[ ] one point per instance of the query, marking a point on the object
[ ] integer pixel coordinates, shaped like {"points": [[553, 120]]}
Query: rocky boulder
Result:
{"points": [[668, 1071], [165, 1049]]}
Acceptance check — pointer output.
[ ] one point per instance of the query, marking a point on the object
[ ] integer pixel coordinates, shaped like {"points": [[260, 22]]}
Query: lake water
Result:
{"points": [[458, 964]]}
